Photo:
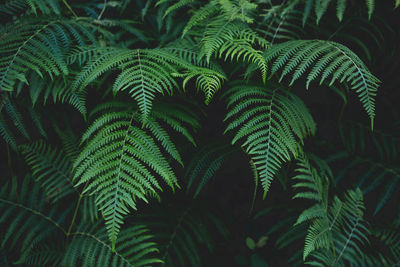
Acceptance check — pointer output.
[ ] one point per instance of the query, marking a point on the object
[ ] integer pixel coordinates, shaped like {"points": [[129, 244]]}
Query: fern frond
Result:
{"points": [[272, 123], [325, 59], [201, 15], [6, 134], [320, 8], [371, 6], [88, 247], [39, 45], [175, 6], [145, 72], [50, 168], [120, 160], [44, 255], [15, 117]]}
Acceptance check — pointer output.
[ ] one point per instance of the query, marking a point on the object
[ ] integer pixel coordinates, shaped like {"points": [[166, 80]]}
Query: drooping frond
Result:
{"points": [[39, 45], [120, 161], [271, 122], [89, 247], [25, 218], [324, 60], [50, 168]]}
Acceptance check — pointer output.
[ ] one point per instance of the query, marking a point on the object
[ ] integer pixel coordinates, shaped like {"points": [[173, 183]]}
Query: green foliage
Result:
{"points": [[80, 181], [325, 59], [39, 45], [272, 122], [120, 159], [145, 72], [337, 230]]}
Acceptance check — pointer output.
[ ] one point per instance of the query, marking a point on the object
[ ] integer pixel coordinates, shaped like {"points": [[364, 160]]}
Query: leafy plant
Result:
{"points": [[142, 133]]}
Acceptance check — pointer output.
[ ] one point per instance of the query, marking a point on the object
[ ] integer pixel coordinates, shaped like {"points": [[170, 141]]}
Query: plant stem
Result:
{"points": [[69, 8], [75, 213]]}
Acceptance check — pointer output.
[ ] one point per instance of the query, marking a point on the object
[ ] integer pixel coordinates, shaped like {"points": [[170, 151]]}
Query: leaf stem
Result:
{"points": [[69, 8]]}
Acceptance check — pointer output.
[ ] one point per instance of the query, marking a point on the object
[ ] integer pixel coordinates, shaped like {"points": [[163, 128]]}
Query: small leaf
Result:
{"points": [[250, 243]]}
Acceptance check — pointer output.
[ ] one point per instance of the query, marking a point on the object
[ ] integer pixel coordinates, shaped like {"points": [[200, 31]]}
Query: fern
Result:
{"points": [[325, 59], [321, 7], [39, 45], [272, 123], [145, 72], [337, 230], [118, 162]]}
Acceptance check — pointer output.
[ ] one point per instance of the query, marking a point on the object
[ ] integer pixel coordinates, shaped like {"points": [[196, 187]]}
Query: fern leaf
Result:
{"points": [[326, 59], [272, 123], [371, 6], [320, 8], [119, 163], [145, 72], [340, 9], [39, 46]]}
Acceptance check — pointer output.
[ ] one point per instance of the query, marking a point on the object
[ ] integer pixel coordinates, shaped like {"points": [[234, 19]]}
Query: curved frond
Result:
{"points": [[325, 59]]}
